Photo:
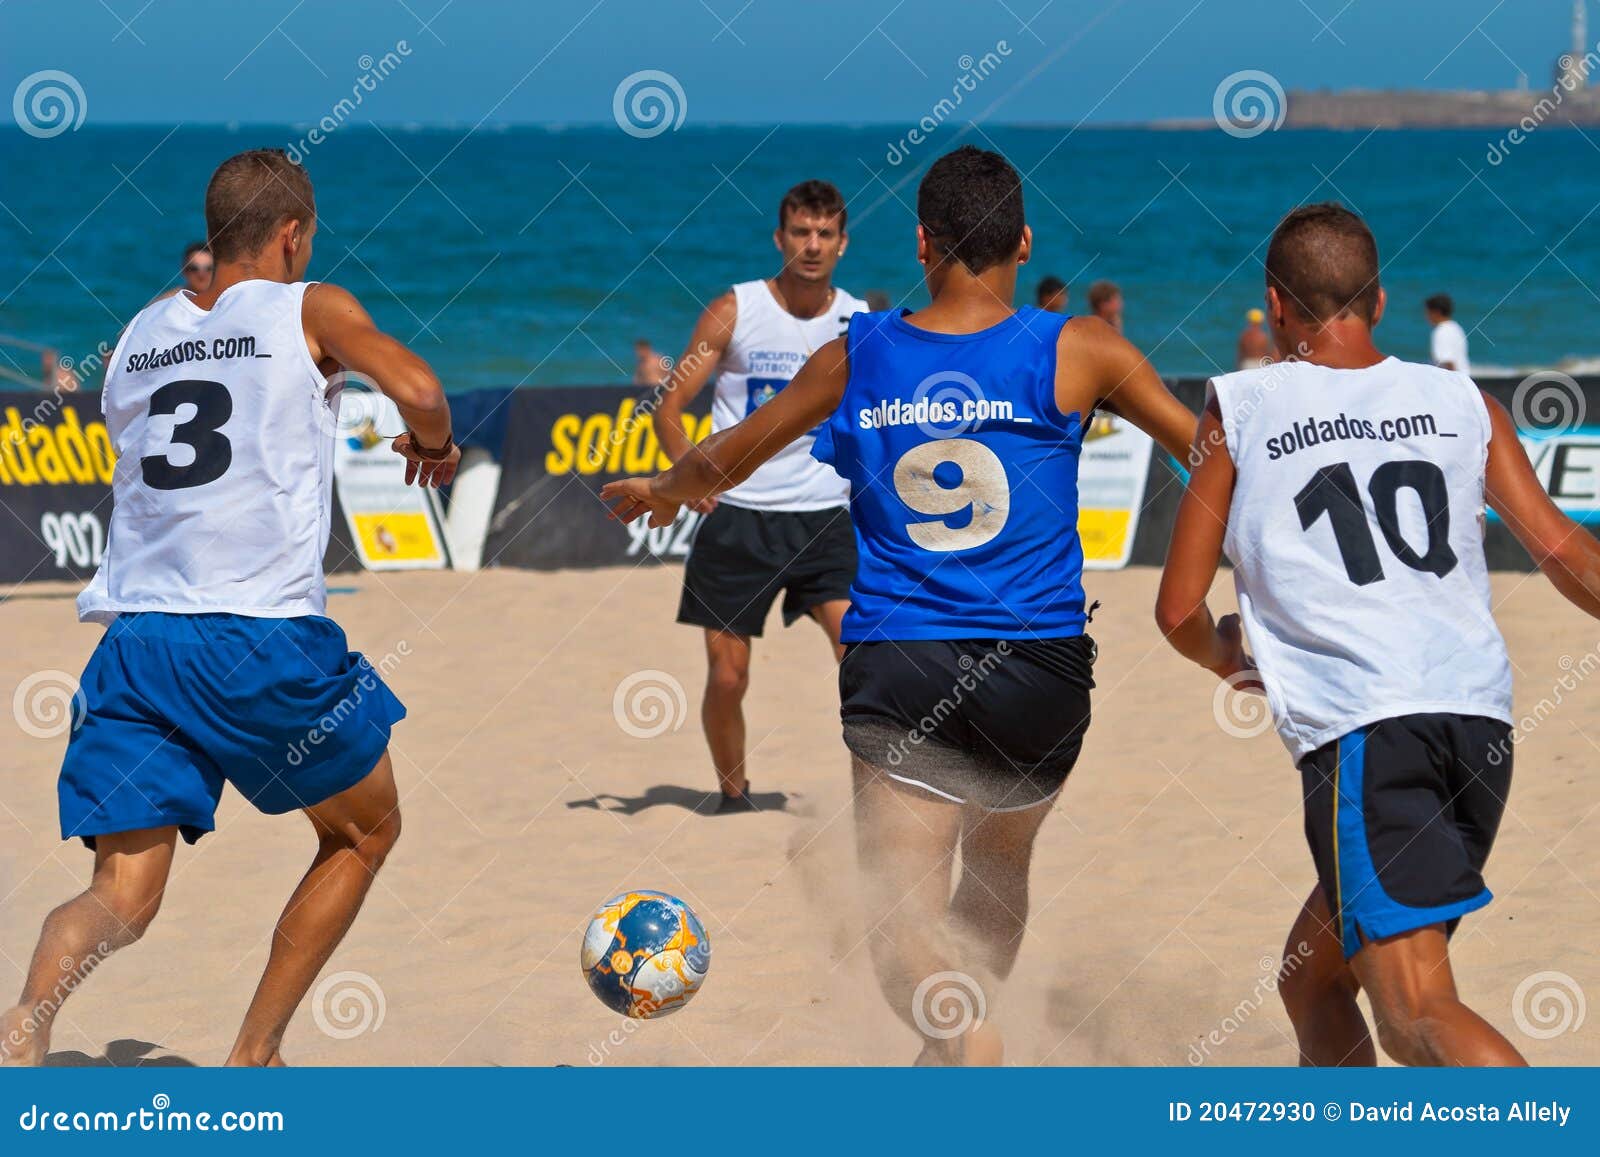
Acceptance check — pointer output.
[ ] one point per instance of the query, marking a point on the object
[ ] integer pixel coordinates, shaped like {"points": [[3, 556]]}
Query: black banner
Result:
{"points": [[562, 444]]}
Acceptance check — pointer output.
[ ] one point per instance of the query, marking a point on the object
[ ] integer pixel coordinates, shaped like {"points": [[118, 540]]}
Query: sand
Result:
{"points": [[1162, 889]]}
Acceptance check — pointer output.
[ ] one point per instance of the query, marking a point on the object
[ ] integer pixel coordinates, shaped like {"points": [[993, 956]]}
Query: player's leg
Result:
{"points": [[830, 616], [356, 830], [130, 876], [722, 709], [905, 843], [1319, 990], [990, 908], [1421, 1020]]}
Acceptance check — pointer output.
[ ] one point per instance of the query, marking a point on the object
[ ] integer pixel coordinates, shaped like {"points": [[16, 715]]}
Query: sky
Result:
{"points": [[466, 62]]}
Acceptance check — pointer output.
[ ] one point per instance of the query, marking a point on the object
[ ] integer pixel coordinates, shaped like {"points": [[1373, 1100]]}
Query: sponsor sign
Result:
{"points": [[562, 445], [1111, 481], [392, 526]]}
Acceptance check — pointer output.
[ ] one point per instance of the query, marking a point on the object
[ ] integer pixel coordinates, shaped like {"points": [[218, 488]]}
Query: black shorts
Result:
{"points": [[742, 558], [1400, 816], [997, 723]]}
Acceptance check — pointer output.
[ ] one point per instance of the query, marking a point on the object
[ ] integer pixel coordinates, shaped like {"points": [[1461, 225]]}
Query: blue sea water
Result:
{"points": [[534, 256]]}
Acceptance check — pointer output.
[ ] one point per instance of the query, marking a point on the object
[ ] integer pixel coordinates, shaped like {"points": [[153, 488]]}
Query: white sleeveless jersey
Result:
{"points": [[1356, 533], [768, 348], [223, 428]]}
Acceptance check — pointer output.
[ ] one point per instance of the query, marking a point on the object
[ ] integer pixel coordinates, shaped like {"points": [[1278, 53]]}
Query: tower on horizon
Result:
{"points": [[1572, 71]]}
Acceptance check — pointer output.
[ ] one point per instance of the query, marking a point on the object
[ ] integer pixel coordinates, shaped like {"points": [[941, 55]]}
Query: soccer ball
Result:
{"points": [[645, 954]]}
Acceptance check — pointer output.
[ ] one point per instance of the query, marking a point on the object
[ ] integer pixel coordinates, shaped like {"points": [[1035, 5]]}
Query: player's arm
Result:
{"points": [[338, 327], [1568, 554], [707, 345], [729, 456], [1194, 556], [1096, 362]]}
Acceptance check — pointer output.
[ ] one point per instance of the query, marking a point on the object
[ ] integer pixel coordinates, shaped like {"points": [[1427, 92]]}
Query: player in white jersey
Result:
{"points": [[1348, 489], [786, 529], [217, 665]]}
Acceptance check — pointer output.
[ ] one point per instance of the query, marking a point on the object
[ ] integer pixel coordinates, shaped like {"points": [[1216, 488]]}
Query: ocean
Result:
{"points": [[535, 256]]}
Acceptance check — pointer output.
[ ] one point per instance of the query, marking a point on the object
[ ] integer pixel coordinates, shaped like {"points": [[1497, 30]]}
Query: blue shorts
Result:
{"points": [[176, 705]]}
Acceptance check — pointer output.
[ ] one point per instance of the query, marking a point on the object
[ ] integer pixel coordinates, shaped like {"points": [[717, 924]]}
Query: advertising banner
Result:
{"points": [[392, 526], [562, 444]]}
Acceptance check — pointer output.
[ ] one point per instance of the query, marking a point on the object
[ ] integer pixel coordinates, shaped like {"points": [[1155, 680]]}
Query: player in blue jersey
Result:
{"points": [[965, 684]]}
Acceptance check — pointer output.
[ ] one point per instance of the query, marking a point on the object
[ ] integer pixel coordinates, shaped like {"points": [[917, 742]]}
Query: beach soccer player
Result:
{"points": [[965, 684], [1348, 490], [785, 529], [218, 665]]}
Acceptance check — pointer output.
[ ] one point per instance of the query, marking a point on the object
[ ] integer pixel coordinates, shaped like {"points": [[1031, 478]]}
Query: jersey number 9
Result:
{"points": [[951, 476]]}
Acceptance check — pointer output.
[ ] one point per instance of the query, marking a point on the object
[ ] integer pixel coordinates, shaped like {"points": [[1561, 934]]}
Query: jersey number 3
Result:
{"points": [[213, 453], [1333, 491]]}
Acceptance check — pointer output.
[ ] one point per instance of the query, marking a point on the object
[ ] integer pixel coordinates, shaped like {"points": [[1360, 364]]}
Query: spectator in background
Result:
{"points": [[1255, 347], [1105, 302], [54, 376], [1449, 342], [197, 267], [1051, 295], [649, 367], [877, 300]]}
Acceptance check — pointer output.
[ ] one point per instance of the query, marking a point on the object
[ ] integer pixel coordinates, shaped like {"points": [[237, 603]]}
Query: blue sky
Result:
{"points": [[760, 61]]}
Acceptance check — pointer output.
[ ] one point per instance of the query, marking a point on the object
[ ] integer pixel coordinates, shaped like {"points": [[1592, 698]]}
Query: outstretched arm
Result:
{"points": [[1095, 363], [1568, 554], [1193, 559], [730, 456], [337, 327]]}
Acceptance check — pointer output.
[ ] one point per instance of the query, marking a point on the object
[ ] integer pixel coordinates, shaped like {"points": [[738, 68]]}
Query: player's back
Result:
{"points": [[224, 439], [963, 477], [1356, 534]]}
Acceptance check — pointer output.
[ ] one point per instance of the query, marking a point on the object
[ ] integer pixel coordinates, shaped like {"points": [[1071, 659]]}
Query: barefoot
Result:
{"points": [[18, 1046]]}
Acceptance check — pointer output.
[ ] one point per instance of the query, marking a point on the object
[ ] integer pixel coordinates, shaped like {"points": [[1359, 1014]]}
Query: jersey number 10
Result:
{"points": [[1333, 491]]}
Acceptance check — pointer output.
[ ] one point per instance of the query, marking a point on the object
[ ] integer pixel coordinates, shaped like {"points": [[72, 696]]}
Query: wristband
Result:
{"points": [[438, 455]]}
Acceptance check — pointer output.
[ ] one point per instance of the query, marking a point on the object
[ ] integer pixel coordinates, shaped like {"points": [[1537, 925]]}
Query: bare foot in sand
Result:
{"points": [[19, 1047], [979, 1046]]}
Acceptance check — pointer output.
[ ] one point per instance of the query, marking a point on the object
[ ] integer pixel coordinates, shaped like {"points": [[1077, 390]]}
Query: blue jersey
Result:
{"points": [[964, 482]]}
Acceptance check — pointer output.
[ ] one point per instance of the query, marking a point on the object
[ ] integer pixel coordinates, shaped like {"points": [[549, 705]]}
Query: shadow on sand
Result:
{"points": [[119, 1054], [670, 795]]}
